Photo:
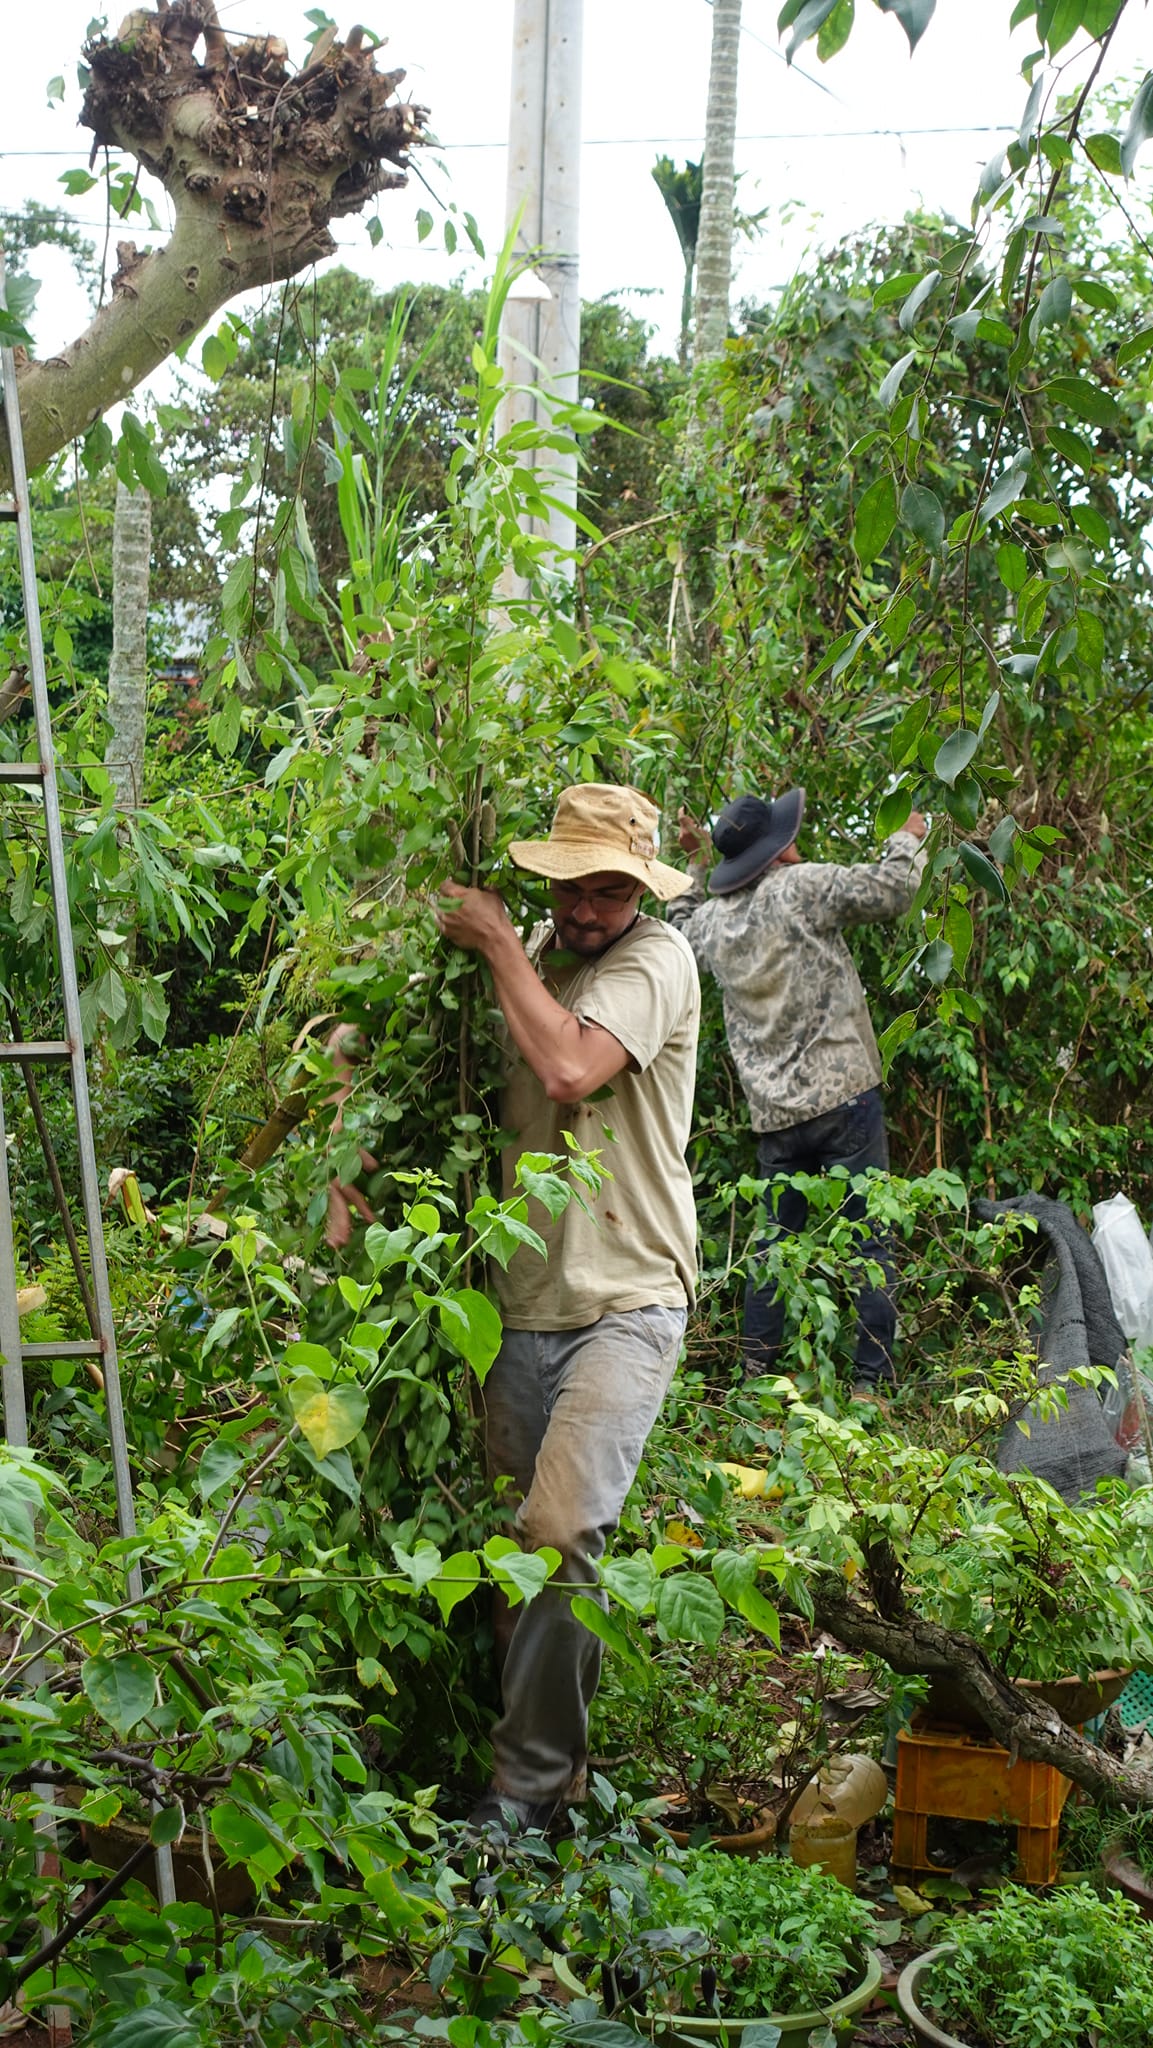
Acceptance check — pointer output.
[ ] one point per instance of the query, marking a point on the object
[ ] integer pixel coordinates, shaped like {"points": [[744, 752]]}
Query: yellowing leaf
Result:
{"points": [[328, 1416], [911, 1903]]}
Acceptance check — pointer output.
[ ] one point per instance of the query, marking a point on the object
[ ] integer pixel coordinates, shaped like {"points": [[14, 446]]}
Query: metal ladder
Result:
{"points": [[37, 778]]}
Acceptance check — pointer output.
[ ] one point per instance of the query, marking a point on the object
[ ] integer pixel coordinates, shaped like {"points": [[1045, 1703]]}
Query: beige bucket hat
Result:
{"points": [[602, 825]]}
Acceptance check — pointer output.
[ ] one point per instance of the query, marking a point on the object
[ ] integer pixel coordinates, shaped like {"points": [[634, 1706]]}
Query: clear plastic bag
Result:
{"points": [[1126, 1254], [1123, 1404]]}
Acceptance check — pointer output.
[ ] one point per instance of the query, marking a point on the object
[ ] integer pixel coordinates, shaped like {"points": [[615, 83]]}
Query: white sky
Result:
{"points": [[645, 80]]}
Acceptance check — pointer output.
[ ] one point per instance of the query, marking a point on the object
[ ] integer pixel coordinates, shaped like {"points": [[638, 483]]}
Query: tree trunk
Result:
{"points": [[715, 241], [128, 665], [256, 159], [1023, 1726]]}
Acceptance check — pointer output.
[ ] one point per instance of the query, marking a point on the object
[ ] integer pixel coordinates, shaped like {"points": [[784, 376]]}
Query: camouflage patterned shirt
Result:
{"points": [[795, 1012]]}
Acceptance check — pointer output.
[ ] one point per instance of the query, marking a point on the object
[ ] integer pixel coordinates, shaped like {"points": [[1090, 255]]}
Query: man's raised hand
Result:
{"points": [[475, 918]]}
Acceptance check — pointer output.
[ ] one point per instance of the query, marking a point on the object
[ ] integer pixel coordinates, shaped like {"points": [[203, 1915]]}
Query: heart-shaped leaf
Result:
{"points": [[122, 1689], [329, 1417]]}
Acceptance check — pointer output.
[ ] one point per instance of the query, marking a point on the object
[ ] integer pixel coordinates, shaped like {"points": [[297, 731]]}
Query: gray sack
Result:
{"points": [[1074, 1448]]}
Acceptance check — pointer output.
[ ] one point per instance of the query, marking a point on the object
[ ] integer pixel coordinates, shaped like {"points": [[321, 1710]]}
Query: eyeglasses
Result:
{"points": [[569, 894]]}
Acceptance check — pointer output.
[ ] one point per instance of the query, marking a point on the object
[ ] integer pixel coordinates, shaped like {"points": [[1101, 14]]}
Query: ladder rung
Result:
{"points": [[22, 771], [9, 509], [36, 1049], [81, 1348]]}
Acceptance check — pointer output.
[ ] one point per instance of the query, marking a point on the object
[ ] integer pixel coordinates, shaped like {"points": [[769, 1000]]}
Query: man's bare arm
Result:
{"points": [[569, 1058]]}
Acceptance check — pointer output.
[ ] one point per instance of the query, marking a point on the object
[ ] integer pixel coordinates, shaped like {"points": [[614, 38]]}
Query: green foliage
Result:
{"points": [[1028, 1971], [731, 1936], [920, 481], [1046, 1589]]}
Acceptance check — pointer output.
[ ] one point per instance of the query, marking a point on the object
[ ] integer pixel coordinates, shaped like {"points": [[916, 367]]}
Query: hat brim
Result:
{"points": [[748, 866], [568, 860]]}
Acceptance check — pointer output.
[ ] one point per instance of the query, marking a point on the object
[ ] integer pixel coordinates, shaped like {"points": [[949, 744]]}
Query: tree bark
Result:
{"points": [[1025, 1727], [715, 239], [256, 159], [128, 664]]}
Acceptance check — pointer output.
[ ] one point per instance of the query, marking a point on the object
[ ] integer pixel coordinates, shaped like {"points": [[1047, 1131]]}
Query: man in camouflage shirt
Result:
{"points": [[798, 1028]]}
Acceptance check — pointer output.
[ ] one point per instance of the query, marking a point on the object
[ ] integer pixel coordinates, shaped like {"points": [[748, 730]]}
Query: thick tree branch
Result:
{"points": [[256, 160], [1024, 1726]]}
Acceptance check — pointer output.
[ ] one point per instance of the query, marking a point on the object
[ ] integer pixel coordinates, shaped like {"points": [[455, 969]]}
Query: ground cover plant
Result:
{"points": [[746, 1936], [1029, 1970]]}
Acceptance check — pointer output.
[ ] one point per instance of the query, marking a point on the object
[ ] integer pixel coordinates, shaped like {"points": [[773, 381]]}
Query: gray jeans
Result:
{"points": [[567, 1414]]}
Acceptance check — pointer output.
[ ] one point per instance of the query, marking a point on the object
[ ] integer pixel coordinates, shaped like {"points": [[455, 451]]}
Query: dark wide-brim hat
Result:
{"points": [[749, 834]]}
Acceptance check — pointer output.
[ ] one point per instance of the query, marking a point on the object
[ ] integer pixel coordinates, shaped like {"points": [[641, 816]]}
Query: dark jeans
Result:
{"points": [[852, 1136]]}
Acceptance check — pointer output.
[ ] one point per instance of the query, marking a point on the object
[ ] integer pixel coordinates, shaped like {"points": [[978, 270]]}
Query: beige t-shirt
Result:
{"points": [[637, 1249]]}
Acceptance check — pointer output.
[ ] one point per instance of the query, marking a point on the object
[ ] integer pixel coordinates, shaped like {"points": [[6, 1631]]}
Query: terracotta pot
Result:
{"points": [[1126, 1876], [1077, 1700], [112, 1845], [754, 1841], [795, 2027], [924, 2030]]}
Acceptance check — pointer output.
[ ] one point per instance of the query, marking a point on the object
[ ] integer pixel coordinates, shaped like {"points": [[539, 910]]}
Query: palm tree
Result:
{"points": [[680, 188], [715, 236]]}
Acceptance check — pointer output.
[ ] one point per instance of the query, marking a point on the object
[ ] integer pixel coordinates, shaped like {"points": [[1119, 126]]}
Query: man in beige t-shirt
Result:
{"points": [[601, 1015]]}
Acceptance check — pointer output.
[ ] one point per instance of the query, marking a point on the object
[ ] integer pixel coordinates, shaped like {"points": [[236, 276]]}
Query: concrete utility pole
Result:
{"points": [[544, 144]]}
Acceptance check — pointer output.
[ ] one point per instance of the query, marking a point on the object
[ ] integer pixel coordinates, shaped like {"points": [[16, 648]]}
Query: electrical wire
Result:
{"points": [[683, 141]]}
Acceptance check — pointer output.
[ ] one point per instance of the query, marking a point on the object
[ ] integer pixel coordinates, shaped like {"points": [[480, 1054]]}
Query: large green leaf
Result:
{"points": [[913, 15], [329, 1417], [958, 932], [1002, 837], [158, 2025], [954, 754], [806, 21], [607, 1631], [893, 811], [217, 1469], [905, 734], [1056, 302], [1073, 447], [420, 1565], [922, 290], [471, 1324], [894, 1036], [631, 1580], [1058, 21], [835, 30], [521, 1573], [875, 520], [1012, 566], [891, 383], [736, 1575], [457, 1578], [937, 960], [1138, 344], [980, 870], [923, 514], [238, 1833], [1086, 400], [689, 1609], [1005, 491], [122, 1688]]}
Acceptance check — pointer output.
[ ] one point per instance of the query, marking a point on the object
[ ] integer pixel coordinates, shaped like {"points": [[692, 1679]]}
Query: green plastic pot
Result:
{"points": [[795, 2026], [925, 2030]]}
